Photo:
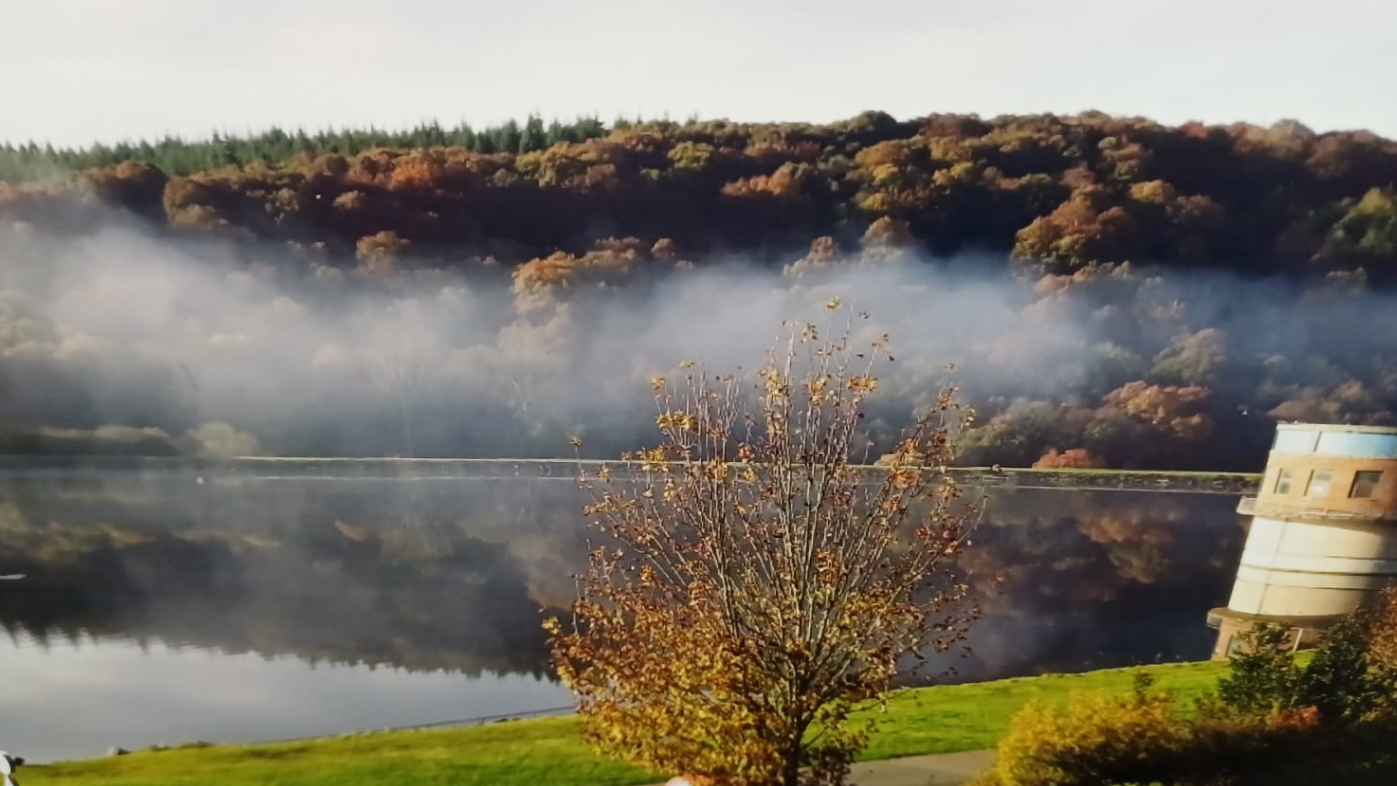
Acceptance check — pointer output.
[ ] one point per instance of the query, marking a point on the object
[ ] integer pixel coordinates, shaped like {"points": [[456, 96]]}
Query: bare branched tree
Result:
{"points": [[400, 372], [753, 581]]}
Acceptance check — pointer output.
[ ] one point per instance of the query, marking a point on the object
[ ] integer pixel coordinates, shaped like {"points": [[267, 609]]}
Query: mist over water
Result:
{"points": [[232, 349], [246, 608]]}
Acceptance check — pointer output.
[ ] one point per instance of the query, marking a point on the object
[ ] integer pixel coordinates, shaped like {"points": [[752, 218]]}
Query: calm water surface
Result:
{"points": [[166, 607]]}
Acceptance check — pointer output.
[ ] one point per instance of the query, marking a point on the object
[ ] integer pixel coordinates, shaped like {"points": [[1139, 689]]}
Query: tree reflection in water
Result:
{"points": [[454, 574]]}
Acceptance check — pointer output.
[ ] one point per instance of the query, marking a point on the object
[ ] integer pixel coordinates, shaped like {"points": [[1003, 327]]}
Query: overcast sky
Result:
{"points": [[83, 70]]}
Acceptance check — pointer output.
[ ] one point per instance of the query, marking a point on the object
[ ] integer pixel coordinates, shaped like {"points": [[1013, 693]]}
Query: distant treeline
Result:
{"points": [[1065, 191], [177, 156]]}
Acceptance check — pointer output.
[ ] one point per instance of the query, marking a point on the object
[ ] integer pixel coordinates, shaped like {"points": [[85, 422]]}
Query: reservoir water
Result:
{"points": [[165, 606]]}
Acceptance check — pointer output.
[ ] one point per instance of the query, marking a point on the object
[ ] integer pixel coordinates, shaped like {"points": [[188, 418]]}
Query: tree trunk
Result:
{"points": [[791, 770]]}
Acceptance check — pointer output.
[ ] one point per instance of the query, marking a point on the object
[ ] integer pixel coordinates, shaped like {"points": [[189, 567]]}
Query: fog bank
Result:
{"points": [[215, 348]]}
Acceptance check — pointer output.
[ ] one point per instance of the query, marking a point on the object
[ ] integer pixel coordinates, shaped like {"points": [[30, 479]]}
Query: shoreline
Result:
{"points": [[496, 469]]}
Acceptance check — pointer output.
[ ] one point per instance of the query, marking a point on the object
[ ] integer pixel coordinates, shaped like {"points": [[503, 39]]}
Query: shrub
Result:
{"points": [[1093, 740], [1263, 675], [1273, 722], [1339, 682]]}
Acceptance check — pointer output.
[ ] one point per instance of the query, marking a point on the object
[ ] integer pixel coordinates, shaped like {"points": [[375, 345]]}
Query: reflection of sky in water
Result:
{"points": [[69, 700]]}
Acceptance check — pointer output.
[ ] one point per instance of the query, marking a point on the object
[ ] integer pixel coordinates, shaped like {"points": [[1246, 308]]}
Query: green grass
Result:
{"points": [[951, 718], [532, 752], [940, 719]]}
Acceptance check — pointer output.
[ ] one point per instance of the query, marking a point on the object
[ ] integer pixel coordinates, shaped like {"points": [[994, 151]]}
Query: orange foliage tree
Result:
{"points": [[381, 253], [1074, 458], [1174, 410], [1083, 229], [753, 583]]}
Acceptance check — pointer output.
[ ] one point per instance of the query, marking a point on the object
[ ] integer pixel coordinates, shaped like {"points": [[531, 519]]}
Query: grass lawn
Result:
{"points": [[951, 718], [550, 751]]}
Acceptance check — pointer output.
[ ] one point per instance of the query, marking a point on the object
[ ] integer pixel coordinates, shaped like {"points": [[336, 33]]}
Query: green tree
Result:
{"points": [[1369, 228], [532, 137]]}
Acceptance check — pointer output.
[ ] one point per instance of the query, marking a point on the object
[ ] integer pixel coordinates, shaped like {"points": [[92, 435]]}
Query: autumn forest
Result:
{"points": [[1106, 291]]}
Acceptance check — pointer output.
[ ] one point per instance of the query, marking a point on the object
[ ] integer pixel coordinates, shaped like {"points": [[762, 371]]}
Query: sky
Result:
{"points": [[81, 71]]}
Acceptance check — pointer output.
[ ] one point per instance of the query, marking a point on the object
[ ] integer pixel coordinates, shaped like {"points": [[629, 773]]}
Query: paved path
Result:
{"points": [[945, 769], [942, 769]]}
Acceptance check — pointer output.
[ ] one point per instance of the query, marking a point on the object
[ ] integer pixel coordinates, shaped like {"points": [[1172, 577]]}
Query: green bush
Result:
{"points": [[1343, 682]]}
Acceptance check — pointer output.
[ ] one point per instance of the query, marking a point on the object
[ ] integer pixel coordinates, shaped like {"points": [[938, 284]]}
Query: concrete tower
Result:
{"points": [[1323, 537]]}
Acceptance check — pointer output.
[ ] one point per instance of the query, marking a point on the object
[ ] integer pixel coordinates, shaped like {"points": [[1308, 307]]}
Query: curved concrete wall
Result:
{"points": [[1312, 568]]}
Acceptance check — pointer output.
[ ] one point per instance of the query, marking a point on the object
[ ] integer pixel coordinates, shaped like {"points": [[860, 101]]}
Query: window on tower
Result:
{"points": [[1364, 483], [1319, 483]]}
